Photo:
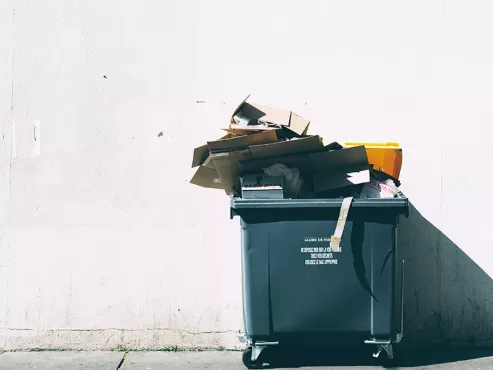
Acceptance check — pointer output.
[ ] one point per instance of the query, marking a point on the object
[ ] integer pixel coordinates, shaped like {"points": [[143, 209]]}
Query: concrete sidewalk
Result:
{"points": [[456, 360]]}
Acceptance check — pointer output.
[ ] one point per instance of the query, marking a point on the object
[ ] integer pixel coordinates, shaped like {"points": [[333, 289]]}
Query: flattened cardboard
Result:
{"points": [[239, 107], [273, 115], [287, 119], [240, 142], [302, 145], [354, 157], [239, 130], [207, 178], [300, 161], [338, 178], [227, 163], [342, 167]]}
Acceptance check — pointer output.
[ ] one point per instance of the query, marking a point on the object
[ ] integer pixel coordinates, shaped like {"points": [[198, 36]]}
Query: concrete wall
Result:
{"points": [[103, 242]]}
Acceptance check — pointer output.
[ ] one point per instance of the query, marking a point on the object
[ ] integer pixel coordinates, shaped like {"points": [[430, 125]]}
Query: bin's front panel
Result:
{"points": [[313, 288], [293, 282]]}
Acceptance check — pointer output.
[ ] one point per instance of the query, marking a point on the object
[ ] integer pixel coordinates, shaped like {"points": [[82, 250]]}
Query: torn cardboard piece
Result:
{"points": [[335, 240], [251, 113]]}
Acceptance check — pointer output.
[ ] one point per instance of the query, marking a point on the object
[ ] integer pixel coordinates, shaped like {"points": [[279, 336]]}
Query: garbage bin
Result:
{"points": [[296, 290]]}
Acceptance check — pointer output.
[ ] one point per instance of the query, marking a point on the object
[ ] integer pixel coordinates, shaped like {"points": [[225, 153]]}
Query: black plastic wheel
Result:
{"points": [[384, 361], [247, 360]]}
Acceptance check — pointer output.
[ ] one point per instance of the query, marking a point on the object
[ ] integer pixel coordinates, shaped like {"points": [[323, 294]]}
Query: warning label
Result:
{"points": [[317, 251]]}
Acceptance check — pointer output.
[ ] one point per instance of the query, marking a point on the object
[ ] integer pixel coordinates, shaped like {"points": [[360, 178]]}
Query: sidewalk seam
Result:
{"points": [[121, 361]]}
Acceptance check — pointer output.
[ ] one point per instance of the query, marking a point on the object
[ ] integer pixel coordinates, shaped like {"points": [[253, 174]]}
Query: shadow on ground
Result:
{"points": [[405, 357]]}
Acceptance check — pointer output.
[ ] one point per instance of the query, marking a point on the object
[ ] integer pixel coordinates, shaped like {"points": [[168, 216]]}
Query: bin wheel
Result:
{"points": [[386, 362], [247, 360]]}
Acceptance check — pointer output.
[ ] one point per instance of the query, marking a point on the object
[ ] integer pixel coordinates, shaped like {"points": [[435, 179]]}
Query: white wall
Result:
{"points": [[103, 242]]}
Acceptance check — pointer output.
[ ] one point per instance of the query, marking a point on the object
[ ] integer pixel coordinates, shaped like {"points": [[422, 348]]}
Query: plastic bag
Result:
{"points": [[293, 180]]}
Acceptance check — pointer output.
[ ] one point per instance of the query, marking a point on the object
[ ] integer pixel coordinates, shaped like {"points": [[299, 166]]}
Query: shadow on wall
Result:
{"points": [[448, 298], [447, 301]]}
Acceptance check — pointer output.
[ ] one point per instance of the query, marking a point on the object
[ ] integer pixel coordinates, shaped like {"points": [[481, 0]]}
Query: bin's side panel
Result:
{"points": [[382, 245], [255, 278], [398, 286]]}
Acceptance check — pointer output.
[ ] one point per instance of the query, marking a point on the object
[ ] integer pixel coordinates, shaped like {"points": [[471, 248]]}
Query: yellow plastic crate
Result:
{"points": [[384, 156]]}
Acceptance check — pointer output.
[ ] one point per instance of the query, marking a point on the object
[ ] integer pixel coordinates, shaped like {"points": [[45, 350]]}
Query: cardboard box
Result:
{"points": [[296, 125]]}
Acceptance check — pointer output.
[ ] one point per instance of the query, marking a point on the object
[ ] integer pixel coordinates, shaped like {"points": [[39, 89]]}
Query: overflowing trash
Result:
{"points": [[268, 154]]}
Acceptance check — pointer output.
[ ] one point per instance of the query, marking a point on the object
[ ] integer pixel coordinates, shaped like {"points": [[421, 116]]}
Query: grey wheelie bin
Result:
{"points": [[298, 291]]}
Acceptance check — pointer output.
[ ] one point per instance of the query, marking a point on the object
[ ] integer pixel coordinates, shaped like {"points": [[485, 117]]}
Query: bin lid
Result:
{"points": [[397, 204]]}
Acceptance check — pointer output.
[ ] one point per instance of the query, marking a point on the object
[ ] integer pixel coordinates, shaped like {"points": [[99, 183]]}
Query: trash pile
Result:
{"points": [[267, 154]]}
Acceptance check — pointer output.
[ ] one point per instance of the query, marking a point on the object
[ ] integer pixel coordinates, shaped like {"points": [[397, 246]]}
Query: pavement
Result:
{"points": [[52, 360]]}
